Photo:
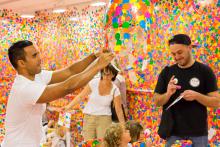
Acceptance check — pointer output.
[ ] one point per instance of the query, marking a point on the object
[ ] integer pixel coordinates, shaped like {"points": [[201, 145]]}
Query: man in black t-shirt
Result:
{"points": [[197, 83]]}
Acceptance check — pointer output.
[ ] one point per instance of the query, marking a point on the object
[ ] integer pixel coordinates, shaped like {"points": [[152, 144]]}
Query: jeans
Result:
{"points": [[201, 141]]}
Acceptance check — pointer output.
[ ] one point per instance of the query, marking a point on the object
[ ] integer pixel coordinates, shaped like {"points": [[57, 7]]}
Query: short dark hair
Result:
{"points": [[16, 51], [181, 39], [135, 129], [112, 69]]}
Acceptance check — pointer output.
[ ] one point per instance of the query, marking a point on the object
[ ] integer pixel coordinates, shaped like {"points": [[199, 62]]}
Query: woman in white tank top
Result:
{"points": [[97, 112]]}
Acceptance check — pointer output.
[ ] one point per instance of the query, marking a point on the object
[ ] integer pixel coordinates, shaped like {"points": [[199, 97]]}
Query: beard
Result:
{"points": [[184, 62]]}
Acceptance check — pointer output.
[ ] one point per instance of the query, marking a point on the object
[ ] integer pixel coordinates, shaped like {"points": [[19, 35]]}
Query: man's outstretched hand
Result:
{"points": [[104, 59]]}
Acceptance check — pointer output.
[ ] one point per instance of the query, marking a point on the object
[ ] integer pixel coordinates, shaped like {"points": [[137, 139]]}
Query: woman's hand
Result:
{"points": [[65, 108]]}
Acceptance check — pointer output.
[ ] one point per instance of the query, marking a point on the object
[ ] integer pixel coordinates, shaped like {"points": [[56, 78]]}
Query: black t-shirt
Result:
{"points": [[190, 117]]}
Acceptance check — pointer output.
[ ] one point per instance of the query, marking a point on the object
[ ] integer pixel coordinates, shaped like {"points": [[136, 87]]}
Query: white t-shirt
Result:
{"points": [[97, 104], [23, 121]]}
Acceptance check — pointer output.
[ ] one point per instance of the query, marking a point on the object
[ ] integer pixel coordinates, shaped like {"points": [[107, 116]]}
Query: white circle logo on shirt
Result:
{"points": [[194, 82], [175, 80]]}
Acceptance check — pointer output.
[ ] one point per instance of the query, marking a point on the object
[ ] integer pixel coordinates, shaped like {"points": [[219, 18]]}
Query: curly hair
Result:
{"points": [[113, 135], [135, 129]]}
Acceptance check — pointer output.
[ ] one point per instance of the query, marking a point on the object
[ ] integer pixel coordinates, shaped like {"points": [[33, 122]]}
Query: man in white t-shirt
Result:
{"points": [[33, 88]]}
